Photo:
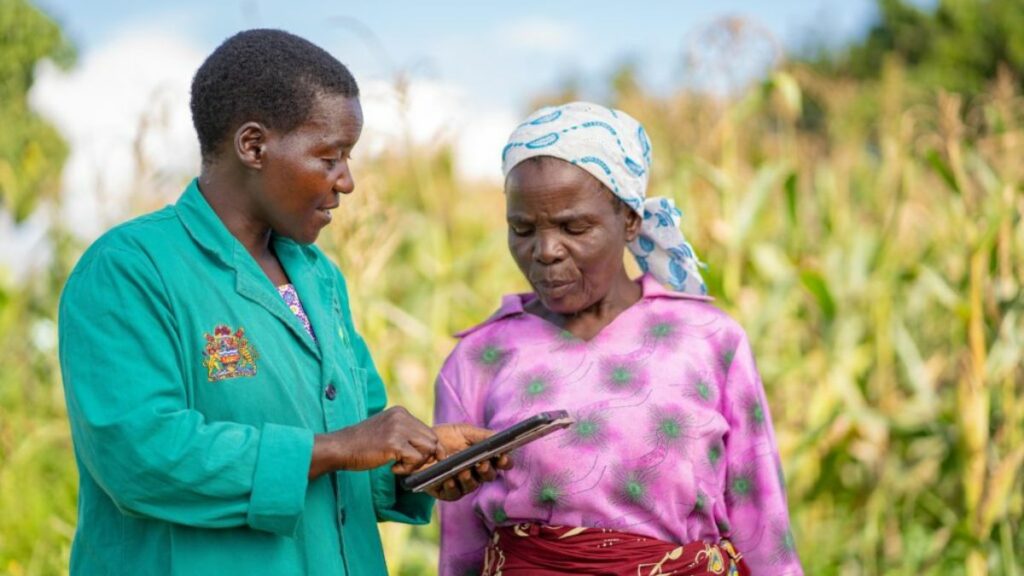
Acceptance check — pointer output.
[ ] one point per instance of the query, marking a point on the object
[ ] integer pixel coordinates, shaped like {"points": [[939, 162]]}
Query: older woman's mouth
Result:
{"points": [[555, 288]]}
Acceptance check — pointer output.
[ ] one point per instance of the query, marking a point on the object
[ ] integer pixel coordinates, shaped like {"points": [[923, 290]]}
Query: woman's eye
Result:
{"points": [[521, 230], [333, 161], [576, 230]]}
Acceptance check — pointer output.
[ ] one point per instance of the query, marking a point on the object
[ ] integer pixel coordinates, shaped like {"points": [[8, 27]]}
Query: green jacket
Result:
{"points": [[194, 393]]}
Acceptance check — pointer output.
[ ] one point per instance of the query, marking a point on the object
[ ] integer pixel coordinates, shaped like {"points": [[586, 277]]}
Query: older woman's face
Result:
{"points": [[565, 233]]}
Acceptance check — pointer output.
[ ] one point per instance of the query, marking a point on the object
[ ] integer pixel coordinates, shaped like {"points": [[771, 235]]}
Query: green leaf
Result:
{"points": [[942, 167], [816, 285], [787, 93], [753, 201], [790, 188]]}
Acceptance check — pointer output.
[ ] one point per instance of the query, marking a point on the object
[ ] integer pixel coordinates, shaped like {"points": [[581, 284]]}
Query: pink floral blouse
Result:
{"points": [[673, 437]]}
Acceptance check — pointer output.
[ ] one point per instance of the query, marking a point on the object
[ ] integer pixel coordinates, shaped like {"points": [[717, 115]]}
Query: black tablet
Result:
{"points": [[500, 443]]}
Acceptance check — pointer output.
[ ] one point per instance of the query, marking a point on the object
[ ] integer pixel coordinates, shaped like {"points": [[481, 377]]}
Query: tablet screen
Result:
{"points": [[501, 442]]}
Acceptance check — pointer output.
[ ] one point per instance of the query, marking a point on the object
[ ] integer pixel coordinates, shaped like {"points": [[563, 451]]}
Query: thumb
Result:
{"points": [[472, 434], [440, 452], [402, 468]]}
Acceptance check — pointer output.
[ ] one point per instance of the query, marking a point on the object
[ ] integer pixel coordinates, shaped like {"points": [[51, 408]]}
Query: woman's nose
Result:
{"points": [[548, 248], [345, 183]]}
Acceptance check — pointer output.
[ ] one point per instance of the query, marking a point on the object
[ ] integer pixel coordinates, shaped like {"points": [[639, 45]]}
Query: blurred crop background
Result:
{"points": [[859, 204]]}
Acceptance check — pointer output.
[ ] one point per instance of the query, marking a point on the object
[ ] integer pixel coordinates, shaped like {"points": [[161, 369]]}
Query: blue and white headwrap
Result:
{"points": [[615, 149]]}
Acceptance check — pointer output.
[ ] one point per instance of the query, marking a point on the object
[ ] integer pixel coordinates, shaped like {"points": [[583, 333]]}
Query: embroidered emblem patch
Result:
{"points": [[228, 354]]}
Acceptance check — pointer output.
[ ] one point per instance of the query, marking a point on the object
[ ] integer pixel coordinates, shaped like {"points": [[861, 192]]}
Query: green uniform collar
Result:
{"points": [[207, 229]]}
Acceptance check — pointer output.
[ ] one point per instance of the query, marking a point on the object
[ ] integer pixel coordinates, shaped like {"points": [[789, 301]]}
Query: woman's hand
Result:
{"points": [[455, 438], [392, 435]]}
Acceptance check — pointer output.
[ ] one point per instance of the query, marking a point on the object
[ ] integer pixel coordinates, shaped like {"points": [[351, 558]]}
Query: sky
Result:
{"points": [[501, 52], [471, 69]]}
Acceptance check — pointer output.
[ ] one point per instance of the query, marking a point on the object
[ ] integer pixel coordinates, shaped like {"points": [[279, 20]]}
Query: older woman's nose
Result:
{"points": [[548, 248]]}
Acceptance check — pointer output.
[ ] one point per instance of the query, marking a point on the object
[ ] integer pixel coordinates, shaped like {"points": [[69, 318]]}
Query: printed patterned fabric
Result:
{"points": [[291, 298], [535, 550], [615, 149], [672, 440]]}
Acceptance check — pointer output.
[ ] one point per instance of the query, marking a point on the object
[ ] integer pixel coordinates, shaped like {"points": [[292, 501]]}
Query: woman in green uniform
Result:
{"points": [[226, 416]]}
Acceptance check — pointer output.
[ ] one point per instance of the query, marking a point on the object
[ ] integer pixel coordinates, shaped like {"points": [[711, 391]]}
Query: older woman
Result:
{"points": [[226, 415], [671, 466]]}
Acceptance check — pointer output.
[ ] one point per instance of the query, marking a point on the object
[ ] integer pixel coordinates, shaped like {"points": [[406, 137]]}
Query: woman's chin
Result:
{"points": [[566, 305], [307, 235]]}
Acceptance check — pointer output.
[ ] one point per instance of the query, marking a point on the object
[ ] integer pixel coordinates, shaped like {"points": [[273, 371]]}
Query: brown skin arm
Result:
{"points": [[392, 435], [458, 437]]}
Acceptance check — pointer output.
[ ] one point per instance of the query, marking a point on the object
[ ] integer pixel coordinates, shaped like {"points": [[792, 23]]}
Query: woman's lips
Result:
{"points": [[556, 288]]}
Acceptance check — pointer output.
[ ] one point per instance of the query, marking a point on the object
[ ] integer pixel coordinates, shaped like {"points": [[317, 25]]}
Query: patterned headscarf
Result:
{"points": [[615, 149]]}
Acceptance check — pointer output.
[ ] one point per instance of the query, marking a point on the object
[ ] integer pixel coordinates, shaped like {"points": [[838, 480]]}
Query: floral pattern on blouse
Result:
{"points": [[291, 298], [673, 438]]}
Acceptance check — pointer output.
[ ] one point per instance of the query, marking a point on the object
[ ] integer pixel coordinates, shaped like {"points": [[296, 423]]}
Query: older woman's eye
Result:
{"points": [[521, 230], [576, 229], [331, 163]]}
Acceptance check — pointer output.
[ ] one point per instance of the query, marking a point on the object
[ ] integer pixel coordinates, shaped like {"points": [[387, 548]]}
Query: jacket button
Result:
{"points": [[331, 392]]}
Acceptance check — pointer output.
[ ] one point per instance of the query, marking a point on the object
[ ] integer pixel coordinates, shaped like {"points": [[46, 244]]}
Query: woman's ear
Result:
{"points": [[250, 141], [633, 222]]}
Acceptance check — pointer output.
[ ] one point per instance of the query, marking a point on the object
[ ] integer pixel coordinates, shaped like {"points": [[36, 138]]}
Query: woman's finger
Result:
{"points": [[440, 453], [466, 482], [450, 490], [411, 457], [427, 447], [401, 468], [473, 435], [486, 472]]}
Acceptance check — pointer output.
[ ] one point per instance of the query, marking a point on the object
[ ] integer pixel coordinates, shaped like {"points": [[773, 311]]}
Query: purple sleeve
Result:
{"points": [[755, 490], [463, 535]]}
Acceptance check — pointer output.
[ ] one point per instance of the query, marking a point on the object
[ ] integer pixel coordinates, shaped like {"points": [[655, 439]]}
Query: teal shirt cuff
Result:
{"points": [[392, 503], [281, 478]]}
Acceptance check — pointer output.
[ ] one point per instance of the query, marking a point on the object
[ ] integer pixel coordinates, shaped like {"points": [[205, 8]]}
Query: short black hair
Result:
{"points": [[263, 75]]}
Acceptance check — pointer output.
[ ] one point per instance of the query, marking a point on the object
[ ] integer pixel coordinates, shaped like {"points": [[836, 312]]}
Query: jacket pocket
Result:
{"points": [[359, 376]]}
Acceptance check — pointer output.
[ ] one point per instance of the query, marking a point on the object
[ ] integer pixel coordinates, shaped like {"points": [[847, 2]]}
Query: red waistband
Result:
{"points": [[538, 550]]}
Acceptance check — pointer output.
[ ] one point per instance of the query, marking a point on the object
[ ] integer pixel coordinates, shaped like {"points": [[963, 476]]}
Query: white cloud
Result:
{"points": [[25, 248], [124, 111], [478, 151], [419, 111], [426, 112], [540, 35]]}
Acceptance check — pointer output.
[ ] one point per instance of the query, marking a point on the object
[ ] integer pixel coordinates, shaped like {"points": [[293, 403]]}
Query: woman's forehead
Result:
{"points": [[556, 189], [335, 117], [336, 123], [545, 173]]}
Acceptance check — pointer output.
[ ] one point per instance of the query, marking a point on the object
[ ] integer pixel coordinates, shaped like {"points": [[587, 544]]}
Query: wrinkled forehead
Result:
{"points": [[554, 184], [542, 172]]}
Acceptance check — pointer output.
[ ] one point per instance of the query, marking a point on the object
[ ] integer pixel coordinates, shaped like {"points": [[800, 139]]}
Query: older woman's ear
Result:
{"points": [[633, 222]]}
